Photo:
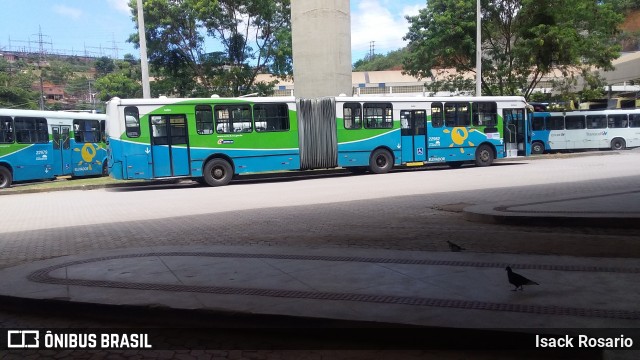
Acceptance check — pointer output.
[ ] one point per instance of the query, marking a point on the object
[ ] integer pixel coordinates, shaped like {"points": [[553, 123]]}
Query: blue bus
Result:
{"points": [[579, 130], [211, 140], [39, 145]]}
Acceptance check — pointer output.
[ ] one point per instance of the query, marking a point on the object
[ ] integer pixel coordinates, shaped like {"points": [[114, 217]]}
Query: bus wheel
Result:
{"points": [[484, 155], [537, 148], [5, 177], [217, 172], [618, 144], [381, 161]]}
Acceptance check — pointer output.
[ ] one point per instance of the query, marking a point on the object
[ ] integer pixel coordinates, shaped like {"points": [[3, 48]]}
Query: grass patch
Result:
{"points": [[63, 182]]}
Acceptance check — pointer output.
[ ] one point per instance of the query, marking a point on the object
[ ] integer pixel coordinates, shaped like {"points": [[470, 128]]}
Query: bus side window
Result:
{"points": [[204, 120], [485, 113], [596, 121], [574, 122], [132, 121], [271, 117], [634, 120], [103, 133], [555, 123], [618, 121], [352, 116], [456, 114], [378, 115], [31, 130], [6, 130], [537, 124], [437, 120]]}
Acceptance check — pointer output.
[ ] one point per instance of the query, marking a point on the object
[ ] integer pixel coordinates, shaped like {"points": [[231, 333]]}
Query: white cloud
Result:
{"points": [[120, 5], [375, 20], [68, 11]]}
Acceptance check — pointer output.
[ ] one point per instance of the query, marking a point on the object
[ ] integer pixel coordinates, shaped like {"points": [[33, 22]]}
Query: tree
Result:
{"points": [[117, 84], [104, 66], [254, 35], [522, 40], [15, 86], [378, 62]]}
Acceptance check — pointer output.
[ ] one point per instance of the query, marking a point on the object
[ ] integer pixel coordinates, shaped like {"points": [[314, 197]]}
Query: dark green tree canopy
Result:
{"points": [[522, 40]]}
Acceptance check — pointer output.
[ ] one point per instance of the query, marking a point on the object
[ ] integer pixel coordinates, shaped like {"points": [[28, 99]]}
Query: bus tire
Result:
{"points": [[217, 172], [381, 161], [537, 148], [5, 177], [618, 144], [484, 155]]}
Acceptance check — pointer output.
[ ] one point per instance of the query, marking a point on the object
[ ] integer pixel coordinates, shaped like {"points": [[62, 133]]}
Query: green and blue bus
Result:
{"points": [[40, 145], [213, 139]]}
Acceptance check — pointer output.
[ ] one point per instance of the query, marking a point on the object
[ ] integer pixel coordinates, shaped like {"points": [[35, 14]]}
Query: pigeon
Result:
{"points": [[455, 247], [518, 280]]}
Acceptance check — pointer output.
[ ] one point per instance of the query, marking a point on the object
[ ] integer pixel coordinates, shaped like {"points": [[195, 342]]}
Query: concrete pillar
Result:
{"points": [[321, 36]]}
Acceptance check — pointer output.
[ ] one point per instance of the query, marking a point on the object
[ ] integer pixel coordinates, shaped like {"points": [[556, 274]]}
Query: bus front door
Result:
{"points": [[169, 145], [517, 139], [61, 150], [413, 135]]}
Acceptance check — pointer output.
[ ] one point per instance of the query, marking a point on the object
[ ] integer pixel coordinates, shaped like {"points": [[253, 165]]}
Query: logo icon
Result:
{"points": [[21, 339]]}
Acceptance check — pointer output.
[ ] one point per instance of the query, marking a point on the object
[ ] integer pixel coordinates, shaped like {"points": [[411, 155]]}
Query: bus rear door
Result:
{"points": [[169, 145], [413, 135], [61, 149]]}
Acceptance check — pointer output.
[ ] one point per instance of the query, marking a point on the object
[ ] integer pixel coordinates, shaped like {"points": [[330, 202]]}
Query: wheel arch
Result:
{"points": [[623, 143], [491, 146], [383, 147], [542, 145], [7, 165], [222, 156]]}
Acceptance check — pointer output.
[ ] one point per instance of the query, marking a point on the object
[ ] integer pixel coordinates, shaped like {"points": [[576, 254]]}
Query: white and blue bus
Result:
{"points": [[39, 145], [212, 139], [579, 130]]}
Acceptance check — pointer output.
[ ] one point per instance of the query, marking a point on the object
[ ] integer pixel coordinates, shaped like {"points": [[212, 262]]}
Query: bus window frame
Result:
{"points": [[358, 121], [200, 122], [437, 121], [573, 121], [79, 130], [282, 119], [7, 135], [384, 120], [231, 110], [132, 131], [41, 133]]}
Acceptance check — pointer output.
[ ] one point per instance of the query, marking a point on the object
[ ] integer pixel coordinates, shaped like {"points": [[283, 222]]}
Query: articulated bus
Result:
{"points": [[212, 139], [578, 130], [40, 145]]}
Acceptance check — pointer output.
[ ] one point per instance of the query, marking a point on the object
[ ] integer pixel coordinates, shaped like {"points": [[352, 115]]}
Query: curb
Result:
{"points": [[480, 215]]}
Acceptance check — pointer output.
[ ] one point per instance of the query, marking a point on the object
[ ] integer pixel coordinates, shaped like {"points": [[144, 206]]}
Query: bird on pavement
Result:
{"points": [[455, 247], [518, 280]]}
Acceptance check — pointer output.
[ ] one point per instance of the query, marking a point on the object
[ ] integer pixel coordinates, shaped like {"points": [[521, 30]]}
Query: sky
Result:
{"points": [[102, 27]]}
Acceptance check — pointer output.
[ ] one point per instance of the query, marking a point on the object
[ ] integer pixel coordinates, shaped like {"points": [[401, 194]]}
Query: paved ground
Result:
{"points": [[374, 245]]}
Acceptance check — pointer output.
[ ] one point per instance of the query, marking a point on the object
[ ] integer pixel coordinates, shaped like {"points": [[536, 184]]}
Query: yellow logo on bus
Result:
{"points": [[88, 153], [459, 135]]}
